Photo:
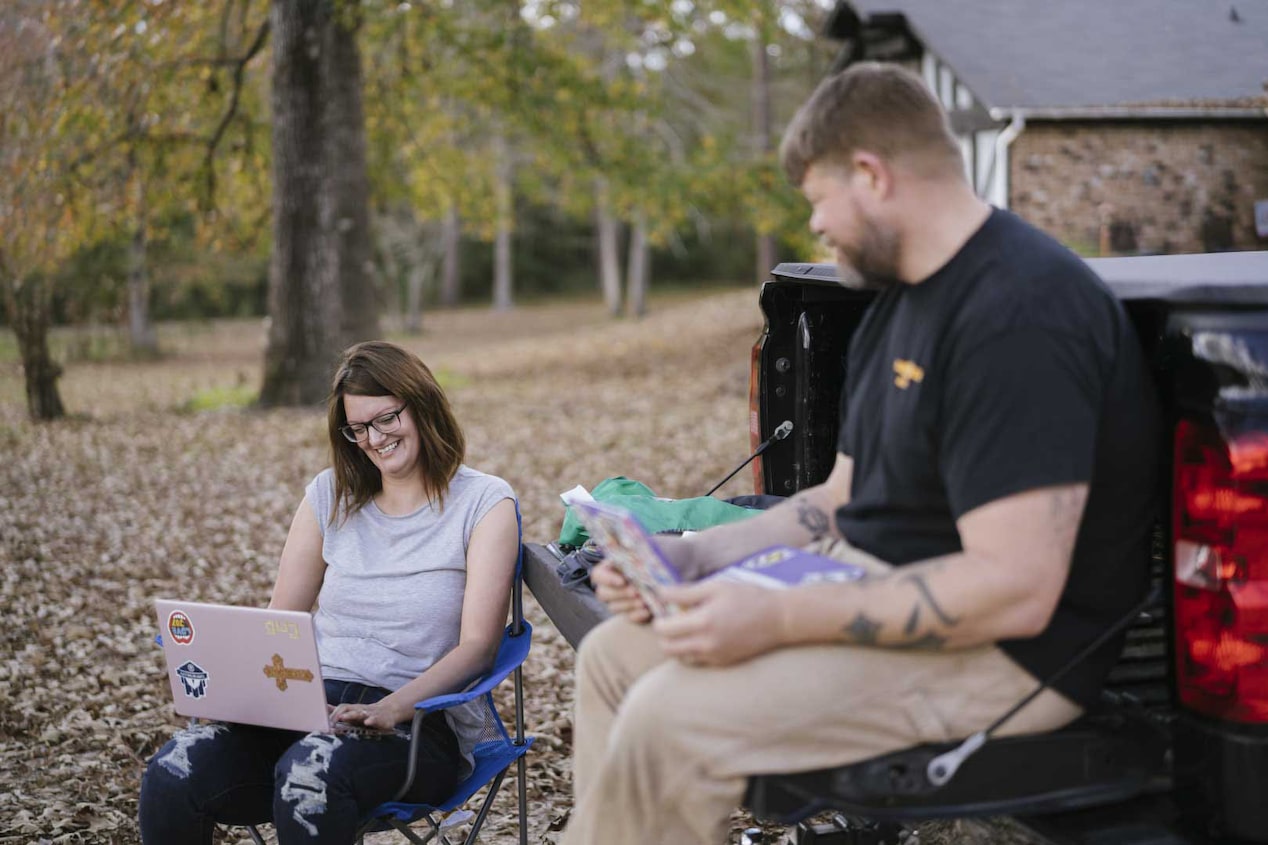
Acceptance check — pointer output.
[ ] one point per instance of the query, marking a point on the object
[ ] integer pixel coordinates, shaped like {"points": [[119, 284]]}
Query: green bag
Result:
{"points": [[656, 514]]}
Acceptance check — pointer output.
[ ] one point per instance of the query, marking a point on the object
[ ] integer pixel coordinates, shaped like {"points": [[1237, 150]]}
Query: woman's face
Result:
{"points": [[395, 451]]}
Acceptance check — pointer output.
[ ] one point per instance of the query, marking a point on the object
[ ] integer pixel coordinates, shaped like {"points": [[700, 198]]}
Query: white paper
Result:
{"points": [[576, 494]]}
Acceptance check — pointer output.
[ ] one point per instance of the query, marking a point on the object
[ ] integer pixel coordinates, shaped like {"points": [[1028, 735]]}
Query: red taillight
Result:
{"points": [[1220, 528], [755, 416]]}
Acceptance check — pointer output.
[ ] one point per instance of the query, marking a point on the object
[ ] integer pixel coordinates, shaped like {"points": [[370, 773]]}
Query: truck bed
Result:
{"points": [[574, 612]]}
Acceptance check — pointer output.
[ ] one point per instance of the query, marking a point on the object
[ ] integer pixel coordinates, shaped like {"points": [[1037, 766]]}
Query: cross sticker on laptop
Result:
{"points": [[278, 671]]}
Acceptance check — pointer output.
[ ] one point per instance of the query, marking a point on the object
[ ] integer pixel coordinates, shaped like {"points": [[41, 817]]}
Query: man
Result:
{"points": [[997, 451]]}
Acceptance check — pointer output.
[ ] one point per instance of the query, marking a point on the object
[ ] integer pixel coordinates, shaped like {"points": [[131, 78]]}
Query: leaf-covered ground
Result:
{"points": [[137, 496]]}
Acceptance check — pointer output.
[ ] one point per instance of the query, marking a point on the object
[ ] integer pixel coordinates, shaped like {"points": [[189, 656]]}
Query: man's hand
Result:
{"points": [[719, 623], [618, 594]]}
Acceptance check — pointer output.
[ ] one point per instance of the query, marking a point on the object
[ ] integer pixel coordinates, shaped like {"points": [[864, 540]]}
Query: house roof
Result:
{"points": [[1054, 56]]}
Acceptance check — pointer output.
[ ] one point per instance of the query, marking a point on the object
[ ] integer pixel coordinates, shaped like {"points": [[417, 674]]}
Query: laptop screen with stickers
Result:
{"points": [[250, 665]]}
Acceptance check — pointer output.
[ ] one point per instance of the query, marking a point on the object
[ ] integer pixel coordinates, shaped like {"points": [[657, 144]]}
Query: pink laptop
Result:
{"points": [[243, 664]]}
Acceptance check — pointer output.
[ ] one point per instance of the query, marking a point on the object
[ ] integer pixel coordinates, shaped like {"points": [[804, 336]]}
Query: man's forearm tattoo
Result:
{"points": [[866, 631], [863, 630], [930, 641], [927, 594], [812, 519]]}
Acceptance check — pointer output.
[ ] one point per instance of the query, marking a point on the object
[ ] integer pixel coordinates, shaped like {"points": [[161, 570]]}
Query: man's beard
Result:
{"points": [[873, 263]]}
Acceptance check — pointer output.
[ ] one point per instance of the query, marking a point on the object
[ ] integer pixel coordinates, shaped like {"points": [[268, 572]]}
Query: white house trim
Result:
{"points": [[985, 157]]}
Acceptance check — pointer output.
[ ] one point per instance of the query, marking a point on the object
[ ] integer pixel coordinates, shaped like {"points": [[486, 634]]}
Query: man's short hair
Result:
{"points": [[884, 109]]}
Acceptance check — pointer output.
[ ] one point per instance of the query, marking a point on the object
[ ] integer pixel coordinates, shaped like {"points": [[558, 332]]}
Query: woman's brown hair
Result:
{"points": [[379, 368]]}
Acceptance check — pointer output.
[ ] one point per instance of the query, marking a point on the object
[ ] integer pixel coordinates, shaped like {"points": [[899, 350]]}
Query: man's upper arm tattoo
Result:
{"points": [[812, 519], [1065, 506]]}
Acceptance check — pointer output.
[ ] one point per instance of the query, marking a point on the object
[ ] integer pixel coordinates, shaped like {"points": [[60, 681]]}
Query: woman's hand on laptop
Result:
{"points": [[618, 594], [382, 715]]}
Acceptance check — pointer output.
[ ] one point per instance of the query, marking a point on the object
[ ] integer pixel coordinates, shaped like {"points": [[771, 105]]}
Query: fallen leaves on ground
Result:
{"points": [[133, 498]]}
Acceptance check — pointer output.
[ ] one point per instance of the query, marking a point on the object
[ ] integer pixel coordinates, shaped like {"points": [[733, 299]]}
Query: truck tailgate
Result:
{"points": [[574, 612]]}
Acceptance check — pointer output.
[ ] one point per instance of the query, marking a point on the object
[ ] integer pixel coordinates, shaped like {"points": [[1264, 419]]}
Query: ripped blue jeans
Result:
{"points": [[314, 788]]}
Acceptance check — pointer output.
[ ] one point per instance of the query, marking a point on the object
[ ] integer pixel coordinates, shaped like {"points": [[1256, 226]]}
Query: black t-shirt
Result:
{"points": [[1010, 368]]}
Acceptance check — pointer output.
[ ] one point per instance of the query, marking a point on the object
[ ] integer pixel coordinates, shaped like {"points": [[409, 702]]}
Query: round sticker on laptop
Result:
{"points": [[179, 626]]}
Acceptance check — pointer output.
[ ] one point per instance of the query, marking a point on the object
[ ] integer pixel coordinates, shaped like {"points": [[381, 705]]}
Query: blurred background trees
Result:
{"points": [[330, 162]]}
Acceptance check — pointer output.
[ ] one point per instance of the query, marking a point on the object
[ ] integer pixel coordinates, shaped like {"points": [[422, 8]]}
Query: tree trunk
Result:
{"points": [[765, 252], [502, 268], [318, 272], [608, 232], [141, 332], [765, 257], [451, 243], [638, 272], [28, 302], [347, 179], [415, 281], [389, 263], [304, 300]]}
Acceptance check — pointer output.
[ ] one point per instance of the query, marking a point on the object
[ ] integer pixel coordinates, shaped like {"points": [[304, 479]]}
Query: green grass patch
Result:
{"points": [[218, 398], [449, 380], [1084, 249], [77, 344]]}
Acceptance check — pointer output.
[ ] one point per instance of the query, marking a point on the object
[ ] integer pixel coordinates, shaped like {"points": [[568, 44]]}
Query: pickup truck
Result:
{"points": [[1178, 752]]}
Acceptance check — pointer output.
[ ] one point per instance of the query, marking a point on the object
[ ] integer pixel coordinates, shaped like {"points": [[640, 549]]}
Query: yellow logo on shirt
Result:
{"points": [[905, 372]]}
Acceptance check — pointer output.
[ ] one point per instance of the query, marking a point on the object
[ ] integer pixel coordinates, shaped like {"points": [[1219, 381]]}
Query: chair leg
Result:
{"points": [[255, 835], [522, 772], [405, 831], [484, 808], [521, 767]]}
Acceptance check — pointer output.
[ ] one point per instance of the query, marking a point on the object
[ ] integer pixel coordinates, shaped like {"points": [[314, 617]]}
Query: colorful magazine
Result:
{"points": [[628, 545], [780, 567]]}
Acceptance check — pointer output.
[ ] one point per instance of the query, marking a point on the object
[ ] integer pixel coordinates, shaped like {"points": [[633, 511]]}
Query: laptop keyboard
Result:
{"points": [[362, 732]]}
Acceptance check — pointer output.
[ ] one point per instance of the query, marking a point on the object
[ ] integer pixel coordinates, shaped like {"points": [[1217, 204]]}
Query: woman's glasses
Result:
{"points": [[383, 424]]}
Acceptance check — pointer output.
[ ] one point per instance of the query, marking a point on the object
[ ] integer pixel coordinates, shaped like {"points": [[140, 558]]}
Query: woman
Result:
{"points": [[409, 556]]}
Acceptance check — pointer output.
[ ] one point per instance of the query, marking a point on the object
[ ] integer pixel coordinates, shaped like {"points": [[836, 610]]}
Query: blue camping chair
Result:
{"points": [[494, 753]]}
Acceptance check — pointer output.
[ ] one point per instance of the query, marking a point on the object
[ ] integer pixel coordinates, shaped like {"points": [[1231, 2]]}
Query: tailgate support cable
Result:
{"points": [[785, 428], [943, 767]]}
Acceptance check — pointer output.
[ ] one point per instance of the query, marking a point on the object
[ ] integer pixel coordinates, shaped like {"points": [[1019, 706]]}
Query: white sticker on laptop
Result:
{"points": [[193, 678]]}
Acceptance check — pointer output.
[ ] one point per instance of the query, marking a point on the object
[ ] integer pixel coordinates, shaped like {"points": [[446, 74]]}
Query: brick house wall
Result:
{"points": [[1142, 187]]}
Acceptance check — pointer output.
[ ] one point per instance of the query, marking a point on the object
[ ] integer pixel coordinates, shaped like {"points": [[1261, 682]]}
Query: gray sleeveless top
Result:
{"points": [[391, 602]]}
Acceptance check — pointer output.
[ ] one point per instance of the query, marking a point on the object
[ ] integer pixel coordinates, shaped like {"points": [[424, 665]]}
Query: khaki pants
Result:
{"points": [[662, 751]]}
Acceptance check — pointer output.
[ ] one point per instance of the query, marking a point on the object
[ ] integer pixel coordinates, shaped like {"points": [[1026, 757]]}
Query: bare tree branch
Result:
{"points": [[239, 73]]}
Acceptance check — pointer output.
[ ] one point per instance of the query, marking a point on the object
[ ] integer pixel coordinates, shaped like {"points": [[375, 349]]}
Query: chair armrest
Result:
{"points": [[510, 656]]}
